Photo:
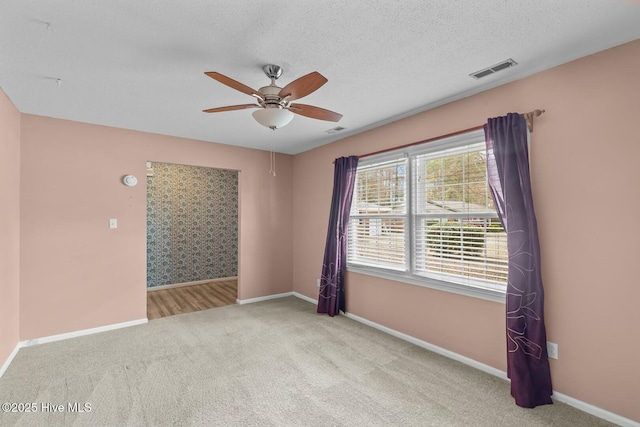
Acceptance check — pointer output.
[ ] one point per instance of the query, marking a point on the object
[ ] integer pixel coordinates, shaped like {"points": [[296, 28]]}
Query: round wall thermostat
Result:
{"points": [[129, 180]]}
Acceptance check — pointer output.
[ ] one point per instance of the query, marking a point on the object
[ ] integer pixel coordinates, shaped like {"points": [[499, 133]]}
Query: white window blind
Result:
{"points": [[426, 214], [457, 235], [378, 219]]}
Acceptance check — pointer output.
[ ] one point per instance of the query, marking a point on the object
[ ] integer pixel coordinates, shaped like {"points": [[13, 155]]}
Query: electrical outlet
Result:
{"points": [[552, 350], [318, 282]]}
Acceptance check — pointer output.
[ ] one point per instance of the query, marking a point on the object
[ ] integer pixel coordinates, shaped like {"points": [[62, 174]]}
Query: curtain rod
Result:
{"points": [[527, 116]]}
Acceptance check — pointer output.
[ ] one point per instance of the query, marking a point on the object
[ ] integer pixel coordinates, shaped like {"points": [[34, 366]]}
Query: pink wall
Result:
{"points": [[584, 156], [9, 226], [76, 273]]}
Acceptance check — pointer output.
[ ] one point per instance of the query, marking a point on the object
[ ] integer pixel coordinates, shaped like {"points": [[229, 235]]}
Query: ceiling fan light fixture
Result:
{"points": [[273, 118]]}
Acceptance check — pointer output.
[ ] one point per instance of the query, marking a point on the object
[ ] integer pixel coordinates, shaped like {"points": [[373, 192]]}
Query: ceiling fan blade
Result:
{"points": [[231, 108], [234, 84], [315, 112], [303, 86]]}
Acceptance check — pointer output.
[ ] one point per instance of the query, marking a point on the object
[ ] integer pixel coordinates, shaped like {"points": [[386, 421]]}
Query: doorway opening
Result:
{"points": [[192, 238]]}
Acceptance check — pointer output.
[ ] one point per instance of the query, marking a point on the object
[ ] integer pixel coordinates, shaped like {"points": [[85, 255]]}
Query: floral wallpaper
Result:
{"points": [[192, 224]]}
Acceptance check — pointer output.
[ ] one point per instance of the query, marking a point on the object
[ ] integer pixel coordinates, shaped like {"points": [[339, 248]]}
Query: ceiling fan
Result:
{"points": [[274, 102]]}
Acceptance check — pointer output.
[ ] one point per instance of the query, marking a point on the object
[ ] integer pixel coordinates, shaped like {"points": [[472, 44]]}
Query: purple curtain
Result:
{"points": [[508, 175], [331, 298]]}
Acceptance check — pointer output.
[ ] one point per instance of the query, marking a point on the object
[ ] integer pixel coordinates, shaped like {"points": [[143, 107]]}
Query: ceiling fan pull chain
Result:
{"points": [[272, 155]]}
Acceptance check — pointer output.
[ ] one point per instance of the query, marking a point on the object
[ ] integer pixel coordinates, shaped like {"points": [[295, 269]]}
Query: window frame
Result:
{"points": [[406, 274]]}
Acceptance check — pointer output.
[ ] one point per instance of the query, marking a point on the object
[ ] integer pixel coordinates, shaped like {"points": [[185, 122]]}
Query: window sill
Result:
{"points": [[398, 276]]}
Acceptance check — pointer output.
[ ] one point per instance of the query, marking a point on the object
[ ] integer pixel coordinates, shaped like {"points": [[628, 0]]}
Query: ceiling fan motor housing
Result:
{"points": [[271, 95]]}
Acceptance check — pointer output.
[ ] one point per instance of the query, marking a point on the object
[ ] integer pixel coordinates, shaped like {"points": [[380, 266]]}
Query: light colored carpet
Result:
{"points": [[274, 363]]}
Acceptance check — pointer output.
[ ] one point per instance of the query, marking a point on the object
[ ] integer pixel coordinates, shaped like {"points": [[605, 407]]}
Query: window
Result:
{"points": [[425, 215]]}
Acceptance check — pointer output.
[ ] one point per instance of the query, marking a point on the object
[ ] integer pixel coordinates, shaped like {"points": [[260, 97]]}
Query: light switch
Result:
{"points": [[113, 223]]}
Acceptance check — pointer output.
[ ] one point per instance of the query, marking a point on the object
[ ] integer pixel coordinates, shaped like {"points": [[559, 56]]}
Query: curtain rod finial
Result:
{"points": [[530, 115]]}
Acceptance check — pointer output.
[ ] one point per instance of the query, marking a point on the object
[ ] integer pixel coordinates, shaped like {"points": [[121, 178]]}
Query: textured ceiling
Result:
{"points": [[139, 64]]}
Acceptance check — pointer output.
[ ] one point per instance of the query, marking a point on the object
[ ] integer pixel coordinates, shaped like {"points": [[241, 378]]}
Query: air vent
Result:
{"points": [[335, 130], [494, 69]]}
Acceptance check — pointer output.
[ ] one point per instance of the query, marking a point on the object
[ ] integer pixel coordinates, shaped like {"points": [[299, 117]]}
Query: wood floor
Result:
{"points": [[185, 299]]}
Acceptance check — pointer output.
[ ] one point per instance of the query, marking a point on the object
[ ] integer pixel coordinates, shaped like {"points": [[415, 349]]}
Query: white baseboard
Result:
{"points": [[442, 351], [275, 296], [60, 337], [560, 397], [197, 282], [7, 362], [306, 298], [594, 410], [265, 298]]}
